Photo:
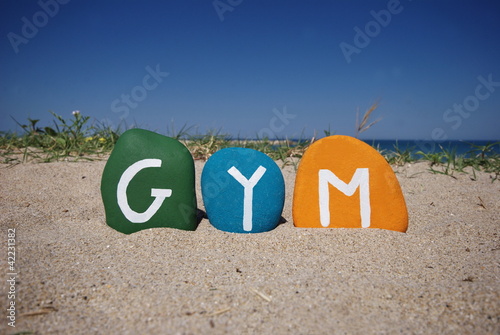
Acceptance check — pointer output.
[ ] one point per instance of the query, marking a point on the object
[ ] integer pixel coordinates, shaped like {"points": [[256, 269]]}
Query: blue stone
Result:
{"points": [[243, 191]]}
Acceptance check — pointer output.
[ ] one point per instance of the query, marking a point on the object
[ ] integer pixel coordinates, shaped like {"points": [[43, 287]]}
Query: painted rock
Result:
{"points": [[243, 191], [343, 182], [149, 182]]}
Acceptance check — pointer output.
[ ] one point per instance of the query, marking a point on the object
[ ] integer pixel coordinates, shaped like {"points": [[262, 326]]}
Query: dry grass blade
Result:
{"points": [[363, 126], [260, 294], [220, 311], [481, 203], [42, 311]]}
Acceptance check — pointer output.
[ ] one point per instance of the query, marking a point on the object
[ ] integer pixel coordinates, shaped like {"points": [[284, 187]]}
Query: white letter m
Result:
{"points": [[359, 179]]}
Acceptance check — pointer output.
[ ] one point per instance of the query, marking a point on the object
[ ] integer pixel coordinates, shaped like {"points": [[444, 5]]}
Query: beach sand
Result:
{"points": [[75, 275]]}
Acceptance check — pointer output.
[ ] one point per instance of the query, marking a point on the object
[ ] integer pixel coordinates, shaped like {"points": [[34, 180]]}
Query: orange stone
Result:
{"points": [[343, 182]]}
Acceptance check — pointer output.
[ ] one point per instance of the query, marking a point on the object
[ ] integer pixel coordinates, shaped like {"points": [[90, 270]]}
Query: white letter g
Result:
{"points": [[158, 193]]}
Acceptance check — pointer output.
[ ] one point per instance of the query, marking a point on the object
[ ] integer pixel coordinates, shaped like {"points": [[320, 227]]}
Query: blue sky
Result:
{"points": [[252, 67]]}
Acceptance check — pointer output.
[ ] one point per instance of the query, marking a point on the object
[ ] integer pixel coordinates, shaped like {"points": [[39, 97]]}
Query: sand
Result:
{"points": [[75, 275]]}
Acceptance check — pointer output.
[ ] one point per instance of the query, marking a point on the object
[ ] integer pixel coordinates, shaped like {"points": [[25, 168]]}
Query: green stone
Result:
{"points": [[149, 182]]}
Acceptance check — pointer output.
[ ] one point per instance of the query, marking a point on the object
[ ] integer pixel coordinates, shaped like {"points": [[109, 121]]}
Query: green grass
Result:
{"points": [[70, 140], [76, 139], [479, 158]]}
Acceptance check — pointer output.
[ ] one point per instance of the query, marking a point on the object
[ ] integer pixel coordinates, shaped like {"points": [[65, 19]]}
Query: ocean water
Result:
{"points": [[465, 148]]}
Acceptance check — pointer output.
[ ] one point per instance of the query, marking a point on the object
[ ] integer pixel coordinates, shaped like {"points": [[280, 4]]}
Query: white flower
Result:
{"points": [[75, 112]]}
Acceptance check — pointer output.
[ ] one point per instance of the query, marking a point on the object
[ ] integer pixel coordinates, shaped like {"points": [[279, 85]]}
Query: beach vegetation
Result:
{"points": [[76, 139]]}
